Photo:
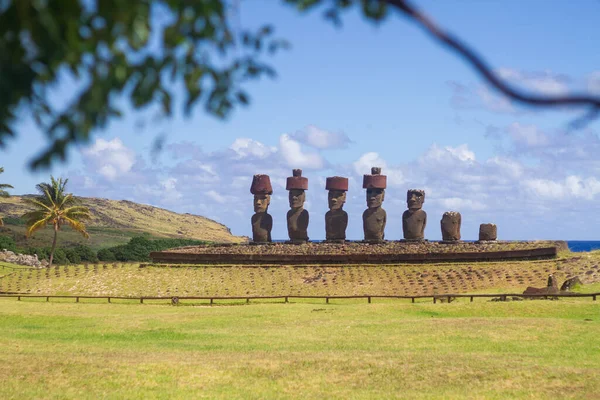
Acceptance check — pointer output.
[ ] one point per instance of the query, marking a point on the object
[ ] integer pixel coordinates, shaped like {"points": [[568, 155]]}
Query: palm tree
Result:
{"points": [[3, 193], [54, 206]]}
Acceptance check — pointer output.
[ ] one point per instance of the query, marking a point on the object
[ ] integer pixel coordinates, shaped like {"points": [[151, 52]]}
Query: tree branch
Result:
{"points": [[484, 69]]}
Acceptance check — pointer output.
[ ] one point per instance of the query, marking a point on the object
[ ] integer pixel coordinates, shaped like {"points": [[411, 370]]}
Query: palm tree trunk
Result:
{"points": [[53, 245]]}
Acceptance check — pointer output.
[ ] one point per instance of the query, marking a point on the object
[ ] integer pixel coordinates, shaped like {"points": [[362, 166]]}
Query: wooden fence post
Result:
{"points": [[434, 300], [47, 298], [594, 297], [76, 299], [471, 299], [412, 299], [286, 299], [211, 301], [141, 300], [369, 298], [108, 299]]}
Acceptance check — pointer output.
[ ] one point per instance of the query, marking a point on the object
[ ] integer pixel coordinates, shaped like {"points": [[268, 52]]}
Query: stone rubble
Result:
{"points": [[22, 259]]}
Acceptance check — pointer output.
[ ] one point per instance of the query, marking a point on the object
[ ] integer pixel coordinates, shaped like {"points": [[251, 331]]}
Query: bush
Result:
{"points": [[106, 255], [139, 248], [8, 243], [43, 253], [85, 254], [72, 256]]}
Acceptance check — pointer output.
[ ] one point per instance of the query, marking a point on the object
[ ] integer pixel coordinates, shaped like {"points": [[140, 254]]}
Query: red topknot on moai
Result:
{"points": [[262, 223], [374, 217], [336, 219], [297, 216]]}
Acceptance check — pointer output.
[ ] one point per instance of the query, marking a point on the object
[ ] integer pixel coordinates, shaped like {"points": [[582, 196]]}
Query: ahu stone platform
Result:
{"points": [[358, 253]]}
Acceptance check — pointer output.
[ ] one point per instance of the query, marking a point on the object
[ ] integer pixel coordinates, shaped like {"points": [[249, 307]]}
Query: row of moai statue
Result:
{"points": [[414, 219]]}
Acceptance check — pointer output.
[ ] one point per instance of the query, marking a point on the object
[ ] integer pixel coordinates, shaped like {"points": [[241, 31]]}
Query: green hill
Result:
{"points": [[114, 222]]}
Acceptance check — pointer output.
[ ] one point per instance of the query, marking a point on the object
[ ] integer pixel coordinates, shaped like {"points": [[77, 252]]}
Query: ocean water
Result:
{"points": [[574, 245], [583, 245]]}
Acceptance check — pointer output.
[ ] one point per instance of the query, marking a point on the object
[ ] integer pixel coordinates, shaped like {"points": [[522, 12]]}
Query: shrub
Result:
{"points": [[8, 243], [106, 255], [85, 254], [139, 248]]}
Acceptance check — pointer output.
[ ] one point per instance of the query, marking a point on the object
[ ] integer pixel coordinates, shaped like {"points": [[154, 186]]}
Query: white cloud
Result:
{"points": [[321, 139], [513, 168], [571, 187], [460, 204], [362, 166], [448, 155], [493, 101], [213, 195], [546, 82], [245, 147], [593, 82], [292, 153], [110, 159], [527, 135]]}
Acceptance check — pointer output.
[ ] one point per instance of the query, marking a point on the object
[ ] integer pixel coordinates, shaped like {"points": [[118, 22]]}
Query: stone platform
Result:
{"points": [[353, 253]]}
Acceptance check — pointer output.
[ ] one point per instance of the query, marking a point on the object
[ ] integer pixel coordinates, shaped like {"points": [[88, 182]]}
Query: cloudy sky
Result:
{"points": [[364, 95]]}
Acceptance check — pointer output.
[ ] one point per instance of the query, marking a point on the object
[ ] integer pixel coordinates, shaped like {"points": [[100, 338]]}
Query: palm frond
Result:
{"points": [[77, 225], [37, 202], [35, 226]]}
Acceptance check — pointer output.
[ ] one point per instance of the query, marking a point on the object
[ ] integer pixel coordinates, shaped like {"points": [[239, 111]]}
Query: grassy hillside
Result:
{"points": [[115, 222]]}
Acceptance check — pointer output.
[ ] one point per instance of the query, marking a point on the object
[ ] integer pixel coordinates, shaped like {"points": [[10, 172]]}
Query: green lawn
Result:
{"points": [[346, 349]]}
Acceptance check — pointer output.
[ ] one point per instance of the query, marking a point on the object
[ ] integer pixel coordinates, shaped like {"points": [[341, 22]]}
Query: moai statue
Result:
{"points": [[262, 223], [374, 217], [488, 232], [414, 219], [451, 226], [297, 217], [336, 219]]}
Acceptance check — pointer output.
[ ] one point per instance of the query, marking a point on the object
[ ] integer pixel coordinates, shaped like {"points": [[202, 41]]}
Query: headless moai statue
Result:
{"points": [[297, 216], [336, 219], [262, 223], [374, 217], [414, 219], [488, 232], [450, 224]]}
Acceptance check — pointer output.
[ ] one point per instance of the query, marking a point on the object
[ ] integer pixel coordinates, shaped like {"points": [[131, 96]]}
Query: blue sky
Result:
{"points": [[364, 95]]}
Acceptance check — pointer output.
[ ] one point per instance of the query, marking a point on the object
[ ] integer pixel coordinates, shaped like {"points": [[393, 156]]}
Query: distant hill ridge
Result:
{"points": [[125, 215]]}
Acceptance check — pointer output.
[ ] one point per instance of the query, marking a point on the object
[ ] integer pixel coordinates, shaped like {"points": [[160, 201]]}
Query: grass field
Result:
{"points": [[346, 349], [389, 349]]}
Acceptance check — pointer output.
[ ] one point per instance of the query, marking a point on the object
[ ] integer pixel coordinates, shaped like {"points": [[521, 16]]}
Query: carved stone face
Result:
{"points": [[261, 202], [297, 198], [375, 197], [336, 199], [414, 200]]}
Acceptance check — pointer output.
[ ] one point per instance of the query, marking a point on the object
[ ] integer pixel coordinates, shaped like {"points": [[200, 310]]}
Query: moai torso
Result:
{"points": [[450, 225], [374, 220], [336, 222], [262, 223], [488, 232], [413, 224], [297, 223]]}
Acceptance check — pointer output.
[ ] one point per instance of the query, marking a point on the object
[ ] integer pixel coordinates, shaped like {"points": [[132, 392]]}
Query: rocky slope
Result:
{"points": [[124, 218]]}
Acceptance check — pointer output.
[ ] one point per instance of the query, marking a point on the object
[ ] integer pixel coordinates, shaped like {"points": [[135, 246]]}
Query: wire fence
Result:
{"points": [[175, 300]]}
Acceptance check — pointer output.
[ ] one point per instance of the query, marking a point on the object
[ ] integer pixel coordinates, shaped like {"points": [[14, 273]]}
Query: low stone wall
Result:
{"points": [[356, 253], [22, 259]]}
